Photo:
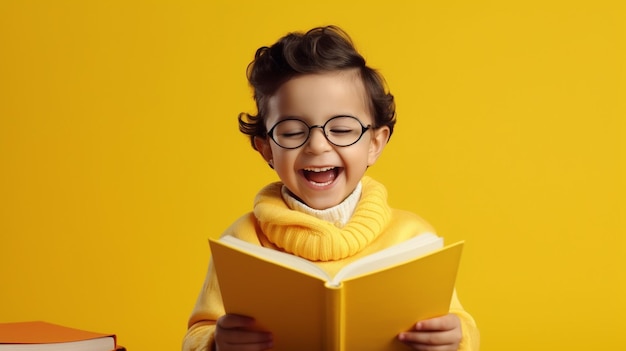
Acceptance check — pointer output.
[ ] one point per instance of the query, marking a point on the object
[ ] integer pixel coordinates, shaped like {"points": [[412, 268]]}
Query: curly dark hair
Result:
{"points": [[321, 49]]}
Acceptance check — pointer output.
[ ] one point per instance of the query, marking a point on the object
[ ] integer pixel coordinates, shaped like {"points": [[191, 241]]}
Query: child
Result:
{"points": [[323, 118]]}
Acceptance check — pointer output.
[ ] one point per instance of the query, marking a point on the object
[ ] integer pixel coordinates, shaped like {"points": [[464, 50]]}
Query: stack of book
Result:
{"points": [[44, 336]]}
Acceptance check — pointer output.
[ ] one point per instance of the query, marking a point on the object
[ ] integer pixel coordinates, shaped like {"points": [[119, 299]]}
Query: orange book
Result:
{"points": [[362, 308], [44, 336]]}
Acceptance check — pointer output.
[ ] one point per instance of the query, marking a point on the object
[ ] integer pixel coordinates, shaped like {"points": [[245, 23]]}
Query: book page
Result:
{"points": [[99, 344], [401, 252], [296, 262]]}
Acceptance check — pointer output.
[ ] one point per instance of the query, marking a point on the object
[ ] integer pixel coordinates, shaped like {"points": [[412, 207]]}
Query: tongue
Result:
{"points": [[320, 177]]}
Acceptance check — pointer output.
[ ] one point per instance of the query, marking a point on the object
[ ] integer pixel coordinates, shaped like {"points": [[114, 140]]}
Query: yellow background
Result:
{"points": [[120, 154]]}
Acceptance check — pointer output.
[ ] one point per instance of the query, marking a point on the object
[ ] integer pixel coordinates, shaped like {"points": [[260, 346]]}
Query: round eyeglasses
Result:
{"points": [[291, 133]]}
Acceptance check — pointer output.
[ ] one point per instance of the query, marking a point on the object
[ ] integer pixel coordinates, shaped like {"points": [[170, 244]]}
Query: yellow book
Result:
{"points": [[44, 336], [363, 307]]}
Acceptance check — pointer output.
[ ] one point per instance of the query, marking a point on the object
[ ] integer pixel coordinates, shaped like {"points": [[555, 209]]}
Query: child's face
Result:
{"points": [[319, 173]]}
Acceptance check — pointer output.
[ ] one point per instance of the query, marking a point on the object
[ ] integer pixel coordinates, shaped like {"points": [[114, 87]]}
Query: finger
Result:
{"points": [[241, 339], [449, 337], [232, 321], [243, 347], [447, 322], [242, 336], [422, 347]]}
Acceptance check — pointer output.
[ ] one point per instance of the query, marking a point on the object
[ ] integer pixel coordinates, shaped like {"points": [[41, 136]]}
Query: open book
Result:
{"points": [[363, 307]]}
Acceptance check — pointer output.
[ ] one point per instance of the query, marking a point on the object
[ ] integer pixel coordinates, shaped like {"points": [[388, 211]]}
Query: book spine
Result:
{"points": [[334, 314]]}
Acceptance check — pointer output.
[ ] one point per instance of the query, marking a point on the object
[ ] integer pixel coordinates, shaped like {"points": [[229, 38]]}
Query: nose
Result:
{"points": [[317, 142]]}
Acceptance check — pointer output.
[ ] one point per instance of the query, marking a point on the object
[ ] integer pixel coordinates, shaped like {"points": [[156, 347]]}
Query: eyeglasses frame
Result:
{"points": [[364, 129]]}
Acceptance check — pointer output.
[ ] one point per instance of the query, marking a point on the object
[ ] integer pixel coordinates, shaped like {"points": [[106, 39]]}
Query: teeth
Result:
{"points": [[319, 169], [322, 184]]}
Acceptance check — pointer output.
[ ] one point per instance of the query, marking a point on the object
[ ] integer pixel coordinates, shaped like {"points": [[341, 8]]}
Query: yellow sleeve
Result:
{"points": [[208, 308], [471, 335]]}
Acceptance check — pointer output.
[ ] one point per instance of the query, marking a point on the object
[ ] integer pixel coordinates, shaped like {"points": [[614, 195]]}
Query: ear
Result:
{"points": [[379, 140], [262, 145]]}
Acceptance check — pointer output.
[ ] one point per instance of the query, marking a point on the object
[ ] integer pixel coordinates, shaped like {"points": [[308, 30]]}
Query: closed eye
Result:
{"points": [[292, 135], [341, 130]]}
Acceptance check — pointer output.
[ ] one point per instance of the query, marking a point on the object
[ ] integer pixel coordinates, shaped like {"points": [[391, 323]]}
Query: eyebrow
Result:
{"points": [[304, 119]]}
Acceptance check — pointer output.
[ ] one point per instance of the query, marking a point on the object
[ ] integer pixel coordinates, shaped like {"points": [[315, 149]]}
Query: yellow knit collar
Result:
{"points": [[318, 240]]}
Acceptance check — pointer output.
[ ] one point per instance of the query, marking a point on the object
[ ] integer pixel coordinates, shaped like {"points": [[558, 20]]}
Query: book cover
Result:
{"points": [[306, 310], [39, 335]]}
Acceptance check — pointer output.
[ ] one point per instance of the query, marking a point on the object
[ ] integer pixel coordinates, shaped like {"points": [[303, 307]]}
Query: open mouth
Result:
{"points": [[321, 176]]}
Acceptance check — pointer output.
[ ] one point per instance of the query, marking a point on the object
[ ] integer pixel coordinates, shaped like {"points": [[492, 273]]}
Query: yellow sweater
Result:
{"points": [[373, 227]]}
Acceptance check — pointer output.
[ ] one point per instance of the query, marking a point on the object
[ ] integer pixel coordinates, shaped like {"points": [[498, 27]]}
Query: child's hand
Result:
{"points": [[234, 332], [436, 334]]}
